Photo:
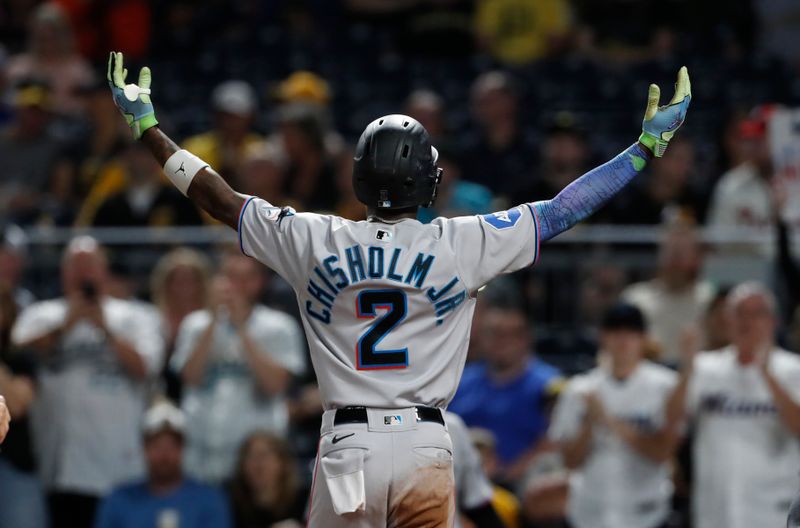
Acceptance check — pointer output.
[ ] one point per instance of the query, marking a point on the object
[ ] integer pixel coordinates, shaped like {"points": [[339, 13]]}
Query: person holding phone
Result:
{"points": [[95, 354]]}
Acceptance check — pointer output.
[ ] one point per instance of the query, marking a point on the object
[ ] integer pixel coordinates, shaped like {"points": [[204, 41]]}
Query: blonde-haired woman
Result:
{"points": [[179, 286]]}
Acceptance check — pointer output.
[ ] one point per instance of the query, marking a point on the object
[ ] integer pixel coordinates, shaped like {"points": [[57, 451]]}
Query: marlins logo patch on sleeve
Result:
{"points": [[503, 219]]}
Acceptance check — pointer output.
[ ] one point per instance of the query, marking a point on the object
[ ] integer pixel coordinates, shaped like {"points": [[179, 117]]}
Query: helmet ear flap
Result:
{"points": [[437, 179]]}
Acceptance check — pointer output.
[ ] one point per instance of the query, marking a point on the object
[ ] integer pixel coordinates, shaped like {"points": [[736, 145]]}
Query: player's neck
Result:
{"points": [[391, 216]]}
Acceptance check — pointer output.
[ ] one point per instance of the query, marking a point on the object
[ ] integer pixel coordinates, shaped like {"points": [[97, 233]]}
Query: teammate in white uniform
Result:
{"points": [[609, 424], [744, 404], [387, 303]]}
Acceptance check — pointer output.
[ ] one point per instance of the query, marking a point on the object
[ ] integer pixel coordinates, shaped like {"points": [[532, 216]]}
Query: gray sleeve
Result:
{"points": [[278, 237], [473, 488], [493, 244]]}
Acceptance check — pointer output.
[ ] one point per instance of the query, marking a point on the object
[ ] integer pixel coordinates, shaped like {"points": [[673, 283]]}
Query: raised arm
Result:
{"points": [[588, 193], [191, 175]]}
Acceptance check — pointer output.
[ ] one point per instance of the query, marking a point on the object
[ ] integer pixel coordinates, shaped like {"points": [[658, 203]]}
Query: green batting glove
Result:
{"points": [[133, 100], [661, 122]]}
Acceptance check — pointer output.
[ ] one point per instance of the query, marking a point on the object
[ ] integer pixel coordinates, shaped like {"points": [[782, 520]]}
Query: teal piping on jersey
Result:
{"points": [[588, 193], [239, 224]]}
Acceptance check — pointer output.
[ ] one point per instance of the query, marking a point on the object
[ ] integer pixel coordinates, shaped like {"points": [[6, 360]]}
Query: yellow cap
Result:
{"points": [[304, 86]]}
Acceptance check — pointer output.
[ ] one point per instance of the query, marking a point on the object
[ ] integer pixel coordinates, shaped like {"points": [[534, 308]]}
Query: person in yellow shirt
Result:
{"points": [[235, 105], [520, 31]]}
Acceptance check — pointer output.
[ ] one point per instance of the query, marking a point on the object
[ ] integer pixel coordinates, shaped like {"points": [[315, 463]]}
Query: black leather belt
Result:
{"points": [[349, 415]]}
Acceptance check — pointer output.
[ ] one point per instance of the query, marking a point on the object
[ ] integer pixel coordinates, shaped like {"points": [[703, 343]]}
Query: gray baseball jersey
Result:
{"points": [[387, 307]]}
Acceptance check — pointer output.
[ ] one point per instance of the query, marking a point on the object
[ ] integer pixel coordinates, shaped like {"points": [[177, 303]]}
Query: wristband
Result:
{"points": [[182, 167]]}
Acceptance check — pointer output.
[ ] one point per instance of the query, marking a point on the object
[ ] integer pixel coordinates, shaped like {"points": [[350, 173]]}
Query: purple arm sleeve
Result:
{"points": [[588, 193]]}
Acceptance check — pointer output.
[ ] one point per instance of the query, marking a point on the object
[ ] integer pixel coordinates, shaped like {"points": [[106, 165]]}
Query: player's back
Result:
{"points": [[386, 307]]}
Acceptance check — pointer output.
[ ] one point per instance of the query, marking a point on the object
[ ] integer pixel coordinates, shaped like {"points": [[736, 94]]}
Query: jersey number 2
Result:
{"points": [[367, 355]]}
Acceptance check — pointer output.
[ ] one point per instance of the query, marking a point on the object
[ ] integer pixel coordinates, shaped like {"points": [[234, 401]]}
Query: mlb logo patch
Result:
{"points": [[503, 219], [393, 419]]}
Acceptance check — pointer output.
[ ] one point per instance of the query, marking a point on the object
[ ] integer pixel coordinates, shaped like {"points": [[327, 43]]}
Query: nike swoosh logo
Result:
{"points": [[337, 439]]}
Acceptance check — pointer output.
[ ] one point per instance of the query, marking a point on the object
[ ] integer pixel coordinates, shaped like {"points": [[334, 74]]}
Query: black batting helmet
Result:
{"points": [[395, 164]]}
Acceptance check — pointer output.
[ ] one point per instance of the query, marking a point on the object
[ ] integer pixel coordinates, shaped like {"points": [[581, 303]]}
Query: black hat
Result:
{"points": [[624, 316], [395, 164]]}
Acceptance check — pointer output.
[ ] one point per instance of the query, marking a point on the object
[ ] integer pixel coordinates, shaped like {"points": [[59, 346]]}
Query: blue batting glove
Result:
{"points": [[661, 122], [133, 100]]}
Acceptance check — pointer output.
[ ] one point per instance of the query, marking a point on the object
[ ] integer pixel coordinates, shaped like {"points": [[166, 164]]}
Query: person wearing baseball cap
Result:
{"points": [[610, 428], [742, 195], [235, 106], [165, 498]]}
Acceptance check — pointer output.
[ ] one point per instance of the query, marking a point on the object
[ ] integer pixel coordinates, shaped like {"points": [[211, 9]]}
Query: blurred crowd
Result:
{"points": [[182, 395]]}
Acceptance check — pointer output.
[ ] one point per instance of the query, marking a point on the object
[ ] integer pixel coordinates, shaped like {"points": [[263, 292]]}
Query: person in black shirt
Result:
{"points": [[264, 489], [146, 201]]}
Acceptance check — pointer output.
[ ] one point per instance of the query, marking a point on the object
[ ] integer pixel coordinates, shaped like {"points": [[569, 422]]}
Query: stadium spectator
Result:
{"points": [[565, 157], [610, 427], [456, 197], [742, 196], [146, 200], [743, 403], [96, 354], [51, 55], [265, 488], [93, 169], [237, 354], [235, 105], [101, 26], [492, 391], [313, 162], [677, 297], [536, 29], [427, 107], [667, 194], [21, 496], [500, 156], [264, 172], [179, 287], [165, 497], [503, 501], [13, 257], [304, 87], [29, 152], [473, 489]]}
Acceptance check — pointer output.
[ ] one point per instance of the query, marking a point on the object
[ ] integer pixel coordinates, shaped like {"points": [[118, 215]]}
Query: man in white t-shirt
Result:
{"points": [[96, 355], [609, 425], [237, 360], [743, 402], [677, 297]]}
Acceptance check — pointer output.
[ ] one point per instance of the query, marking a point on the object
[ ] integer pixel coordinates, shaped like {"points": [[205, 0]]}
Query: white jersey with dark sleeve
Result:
{"points": [[387, 307]]}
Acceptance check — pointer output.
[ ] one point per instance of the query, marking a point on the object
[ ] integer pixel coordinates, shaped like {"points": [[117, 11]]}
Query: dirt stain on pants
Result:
{"points": [[426, 501]]}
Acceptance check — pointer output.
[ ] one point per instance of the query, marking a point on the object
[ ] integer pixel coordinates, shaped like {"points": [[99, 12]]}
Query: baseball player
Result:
{"points": [[387, 303]]}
